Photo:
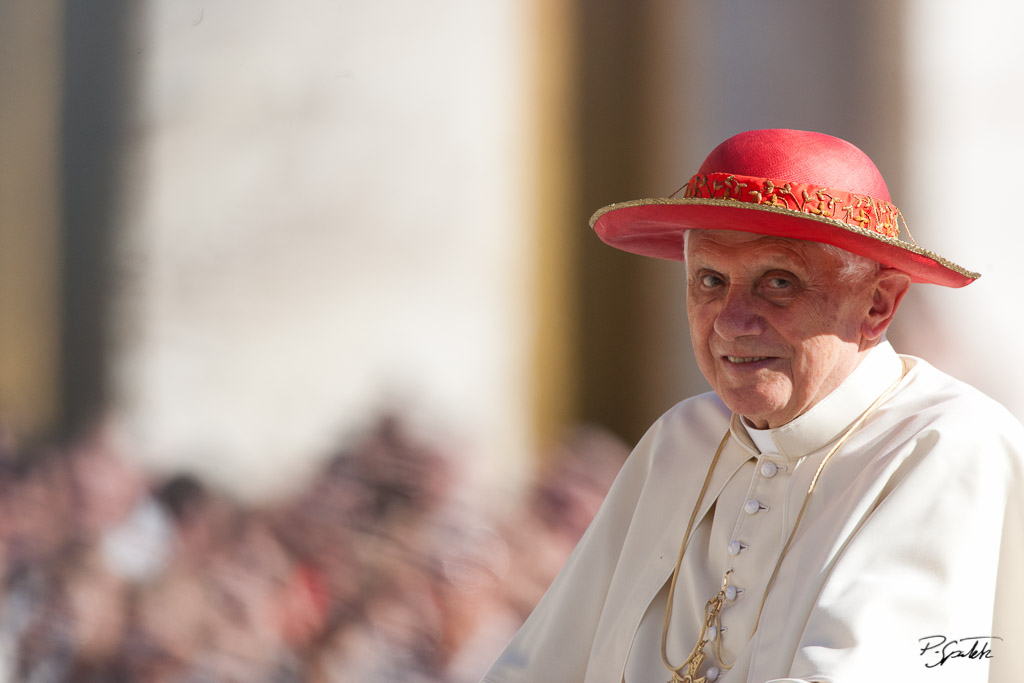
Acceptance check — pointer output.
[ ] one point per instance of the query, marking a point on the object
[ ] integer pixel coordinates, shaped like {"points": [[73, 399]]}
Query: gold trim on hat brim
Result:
{"points": [[789, 213]]}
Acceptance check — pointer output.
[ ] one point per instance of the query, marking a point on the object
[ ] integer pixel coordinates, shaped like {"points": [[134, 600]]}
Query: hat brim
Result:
{"points": [[655, 227]]}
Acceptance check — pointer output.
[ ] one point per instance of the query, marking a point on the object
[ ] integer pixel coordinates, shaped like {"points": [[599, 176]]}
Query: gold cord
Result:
{"points": [[697, 650], [906, 227], [713, 607]]}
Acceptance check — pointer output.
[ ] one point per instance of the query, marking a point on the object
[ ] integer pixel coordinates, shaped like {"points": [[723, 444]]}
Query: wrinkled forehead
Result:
{"points": [[703, 244]]}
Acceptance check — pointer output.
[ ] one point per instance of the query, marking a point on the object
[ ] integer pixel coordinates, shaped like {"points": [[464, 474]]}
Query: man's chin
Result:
{"points": [[758, 411]]}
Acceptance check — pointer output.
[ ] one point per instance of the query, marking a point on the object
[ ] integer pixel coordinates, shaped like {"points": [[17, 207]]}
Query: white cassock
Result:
{"points": [[914, 533]]}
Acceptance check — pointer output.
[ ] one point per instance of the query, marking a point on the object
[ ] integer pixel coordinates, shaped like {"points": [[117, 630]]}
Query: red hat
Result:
{"points": [[786, 183]]}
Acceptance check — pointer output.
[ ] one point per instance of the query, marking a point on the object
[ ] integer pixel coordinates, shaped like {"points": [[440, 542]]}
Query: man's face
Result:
{"points": [[774, 330]]}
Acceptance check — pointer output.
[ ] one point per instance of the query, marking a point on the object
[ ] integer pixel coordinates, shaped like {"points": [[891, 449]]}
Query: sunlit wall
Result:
{"points": [[328, 217]]}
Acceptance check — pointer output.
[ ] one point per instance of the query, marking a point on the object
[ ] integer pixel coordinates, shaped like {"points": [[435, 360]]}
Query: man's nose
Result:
{"points": [[738, 316]]}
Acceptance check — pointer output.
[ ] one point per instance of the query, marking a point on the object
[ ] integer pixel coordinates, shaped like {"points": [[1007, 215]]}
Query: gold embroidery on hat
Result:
{"points": [[862, 211], [825, 206]]}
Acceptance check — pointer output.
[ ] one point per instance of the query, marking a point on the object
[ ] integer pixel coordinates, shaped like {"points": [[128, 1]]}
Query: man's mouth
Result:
{"points": [[745, 359]]}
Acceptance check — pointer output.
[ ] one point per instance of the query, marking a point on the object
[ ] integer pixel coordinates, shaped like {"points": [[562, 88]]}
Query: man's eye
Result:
{"points": [[779, 283], [710, 280]]}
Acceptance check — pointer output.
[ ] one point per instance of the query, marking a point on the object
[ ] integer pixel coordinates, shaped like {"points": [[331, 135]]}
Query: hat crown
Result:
{"points": [[798, 156]]}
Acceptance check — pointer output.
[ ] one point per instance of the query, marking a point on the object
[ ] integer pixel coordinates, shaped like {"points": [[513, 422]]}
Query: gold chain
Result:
{"points": [[713, 607]]}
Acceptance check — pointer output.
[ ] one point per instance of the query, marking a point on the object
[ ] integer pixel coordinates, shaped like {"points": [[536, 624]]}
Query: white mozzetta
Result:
{"points": [[914, 529]]}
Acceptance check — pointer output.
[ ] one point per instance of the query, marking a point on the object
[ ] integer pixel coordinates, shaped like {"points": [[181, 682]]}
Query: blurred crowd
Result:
{"points": [[373, 572]]}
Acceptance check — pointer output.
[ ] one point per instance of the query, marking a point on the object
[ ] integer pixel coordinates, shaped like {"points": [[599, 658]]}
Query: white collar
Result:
{"points": [[832, 414], [762, 438]]}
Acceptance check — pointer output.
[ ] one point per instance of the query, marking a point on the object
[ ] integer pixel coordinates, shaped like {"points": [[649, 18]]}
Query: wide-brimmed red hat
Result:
{"points": [[786, 183]]}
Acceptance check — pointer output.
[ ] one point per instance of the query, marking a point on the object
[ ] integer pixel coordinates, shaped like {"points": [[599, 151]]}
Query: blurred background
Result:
{"points": [[310, 367]]}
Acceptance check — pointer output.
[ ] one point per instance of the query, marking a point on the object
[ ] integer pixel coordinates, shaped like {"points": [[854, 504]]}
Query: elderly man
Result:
{"points": [[833, 511]]}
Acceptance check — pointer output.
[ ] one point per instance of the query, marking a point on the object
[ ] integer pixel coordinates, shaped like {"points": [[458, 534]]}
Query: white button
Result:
{"points": [[735, 547], [712, 634], [768, 469], [712, 673], [731, 592], [751, 507]]}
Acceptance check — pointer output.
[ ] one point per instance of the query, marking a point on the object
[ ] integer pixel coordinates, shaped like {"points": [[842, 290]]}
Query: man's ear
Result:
{"points": [[890, 286]]}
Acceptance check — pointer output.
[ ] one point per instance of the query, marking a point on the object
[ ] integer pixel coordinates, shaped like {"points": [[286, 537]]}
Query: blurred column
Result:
{"points": [[964, 143], [30, 78], [629, 309], [553, 71], [99, 61]]}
